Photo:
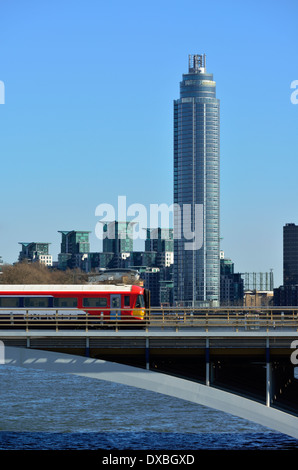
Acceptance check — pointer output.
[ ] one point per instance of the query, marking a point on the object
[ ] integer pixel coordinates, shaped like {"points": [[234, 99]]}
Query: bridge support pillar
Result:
{"points": [[207, 356], [147, 354], [268, 375]]}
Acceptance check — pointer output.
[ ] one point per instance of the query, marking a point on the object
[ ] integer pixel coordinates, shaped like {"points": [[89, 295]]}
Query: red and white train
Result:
{"points": [[108, 302]]}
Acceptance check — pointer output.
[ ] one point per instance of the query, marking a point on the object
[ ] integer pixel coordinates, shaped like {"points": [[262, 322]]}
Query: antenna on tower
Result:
{"points": [[197, 63]]}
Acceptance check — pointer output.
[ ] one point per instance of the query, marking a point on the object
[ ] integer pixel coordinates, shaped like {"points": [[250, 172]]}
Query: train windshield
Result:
{"points": [[140, 302]]}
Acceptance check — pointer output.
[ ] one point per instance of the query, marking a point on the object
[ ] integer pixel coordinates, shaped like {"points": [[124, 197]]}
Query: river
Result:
{"points": [[50, 411]]}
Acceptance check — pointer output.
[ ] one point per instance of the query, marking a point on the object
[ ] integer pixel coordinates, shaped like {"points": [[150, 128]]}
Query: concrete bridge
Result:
{"points": [[247, 372]]}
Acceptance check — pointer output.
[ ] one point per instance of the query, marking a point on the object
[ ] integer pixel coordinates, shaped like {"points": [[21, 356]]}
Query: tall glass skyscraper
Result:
{"points": [[196, 188]]}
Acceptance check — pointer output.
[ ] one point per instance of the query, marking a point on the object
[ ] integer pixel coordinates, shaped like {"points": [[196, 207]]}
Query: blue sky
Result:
{"points": [[88, 115]]}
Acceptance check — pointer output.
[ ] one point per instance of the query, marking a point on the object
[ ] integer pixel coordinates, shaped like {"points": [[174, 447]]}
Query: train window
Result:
{"points": [[140, 302], [126, 301], [36, 302], [9, 302], [65, 302], [115, 301], [95, 302]]}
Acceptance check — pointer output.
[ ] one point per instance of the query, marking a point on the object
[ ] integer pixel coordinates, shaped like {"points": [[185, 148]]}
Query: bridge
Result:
{"points": [[238, 361]]}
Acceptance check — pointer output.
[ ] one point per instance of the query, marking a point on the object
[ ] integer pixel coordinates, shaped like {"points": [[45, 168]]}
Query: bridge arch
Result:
{"points": [[154, 381]]}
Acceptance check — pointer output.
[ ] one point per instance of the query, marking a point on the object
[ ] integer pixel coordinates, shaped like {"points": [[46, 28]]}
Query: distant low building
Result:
{"points": [[115, 276], [151, 277], [258, 298], [231, 284], [34, 251], [118, 237], [74, 251], [286, 296]]}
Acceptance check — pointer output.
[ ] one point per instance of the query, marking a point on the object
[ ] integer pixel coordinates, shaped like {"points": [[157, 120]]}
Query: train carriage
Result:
{"points": [[104, 304]]}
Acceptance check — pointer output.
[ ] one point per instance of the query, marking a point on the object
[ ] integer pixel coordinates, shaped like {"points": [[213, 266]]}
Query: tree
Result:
{"points": [[37, 273]]}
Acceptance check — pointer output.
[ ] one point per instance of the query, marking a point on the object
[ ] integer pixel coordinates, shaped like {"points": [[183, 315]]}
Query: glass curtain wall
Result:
{"points": [[196, 187]]}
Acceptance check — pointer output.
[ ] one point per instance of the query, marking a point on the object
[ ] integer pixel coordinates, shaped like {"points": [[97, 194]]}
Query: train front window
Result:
{"points": [[140, 302], [126, 301]]}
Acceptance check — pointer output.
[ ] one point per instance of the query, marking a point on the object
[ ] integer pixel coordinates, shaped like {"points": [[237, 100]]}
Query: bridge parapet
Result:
{"points": [[233, 319]]}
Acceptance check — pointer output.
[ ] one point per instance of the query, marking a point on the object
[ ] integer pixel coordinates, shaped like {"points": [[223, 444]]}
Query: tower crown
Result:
{"points": [[197, 63]]}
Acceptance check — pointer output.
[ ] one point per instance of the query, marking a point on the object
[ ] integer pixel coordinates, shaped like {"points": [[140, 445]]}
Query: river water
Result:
{"points": [[50, 411]]}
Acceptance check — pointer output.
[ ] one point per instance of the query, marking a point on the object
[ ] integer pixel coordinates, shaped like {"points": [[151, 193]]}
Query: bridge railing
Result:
{"points": [[236, 319], [223, 318]]}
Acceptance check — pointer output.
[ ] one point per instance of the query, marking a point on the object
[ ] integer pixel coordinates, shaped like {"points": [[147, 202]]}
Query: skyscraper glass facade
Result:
{"points": [[196, 185], [290, 254], [118, 237]]}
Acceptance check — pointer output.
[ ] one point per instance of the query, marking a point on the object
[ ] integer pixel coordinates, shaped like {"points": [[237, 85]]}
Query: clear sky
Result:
{"points": [[88, 115]]}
